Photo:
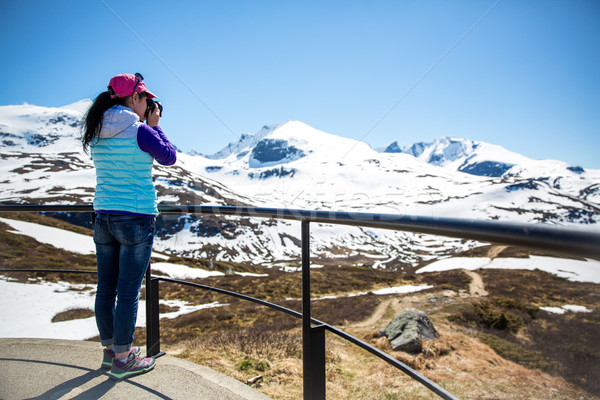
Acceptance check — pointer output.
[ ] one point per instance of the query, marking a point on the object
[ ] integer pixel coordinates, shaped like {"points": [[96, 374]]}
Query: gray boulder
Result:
{"points": [[407, 329]]}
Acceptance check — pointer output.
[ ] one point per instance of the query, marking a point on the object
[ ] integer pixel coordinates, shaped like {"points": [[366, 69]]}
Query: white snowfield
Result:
{"points": [[573, 270], [82, 244], [28, 309], [177, 271], [404, 289], [59, 238]]}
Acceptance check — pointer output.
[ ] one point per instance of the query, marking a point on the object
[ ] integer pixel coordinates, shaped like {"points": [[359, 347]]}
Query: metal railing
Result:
{"points": [[552, 239]]}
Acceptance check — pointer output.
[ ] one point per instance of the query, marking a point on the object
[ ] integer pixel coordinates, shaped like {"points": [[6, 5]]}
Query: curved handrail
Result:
{"points": [[553, 239], [233, 294]]}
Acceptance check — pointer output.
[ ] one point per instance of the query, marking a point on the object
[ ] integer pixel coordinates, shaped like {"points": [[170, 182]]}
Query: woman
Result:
{"points": [[123, 150]]}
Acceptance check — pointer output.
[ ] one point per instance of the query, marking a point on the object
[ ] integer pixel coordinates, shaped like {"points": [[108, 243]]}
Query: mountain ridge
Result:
{"points": [[293, 165], [465, 155], [461, 154]]}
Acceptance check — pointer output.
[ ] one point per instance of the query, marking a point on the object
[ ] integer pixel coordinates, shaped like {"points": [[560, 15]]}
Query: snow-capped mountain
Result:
{"points": [[296, 166], [42, 161], [476, 158]]}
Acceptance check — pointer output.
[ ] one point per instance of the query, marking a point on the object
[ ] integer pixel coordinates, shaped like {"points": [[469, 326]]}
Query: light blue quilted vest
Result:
{"points": [[123, 177]]}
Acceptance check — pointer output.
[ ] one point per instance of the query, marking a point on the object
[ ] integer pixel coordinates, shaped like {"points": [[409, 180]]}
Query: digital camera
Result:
{"points": [[150, 105]]}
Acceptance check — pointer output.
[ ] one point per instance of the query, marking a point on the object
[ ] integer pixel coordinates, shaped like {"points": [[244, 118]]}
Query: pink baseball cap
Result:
{"points": [[124, 85]]}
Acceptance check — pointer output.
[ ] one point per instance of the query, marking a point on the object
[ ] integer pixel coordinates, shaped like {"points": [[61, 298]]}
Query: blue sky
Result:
{"points": [[521, 74]]}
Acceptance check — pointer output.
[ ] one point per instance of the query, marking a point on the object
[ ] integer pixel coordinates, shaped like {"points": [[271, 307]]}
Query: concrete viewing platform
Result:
{"points": [[64, 369]]}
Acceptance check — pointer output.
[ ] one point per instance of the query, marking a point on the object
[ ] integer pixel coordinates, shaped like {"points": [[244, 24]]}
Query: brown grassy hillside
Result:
{"points": [[495, 341]]}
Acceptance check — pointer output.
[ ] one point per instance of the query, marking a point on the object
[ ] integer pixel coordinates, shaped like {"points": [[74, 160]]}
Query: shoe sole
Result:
{"points": [[126, 375]]}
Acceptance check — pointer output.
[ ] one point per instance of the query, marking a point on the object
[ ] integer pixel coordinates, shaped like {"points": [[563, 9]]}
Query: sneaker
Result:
{"points": [[109, 356], [134, 365]]}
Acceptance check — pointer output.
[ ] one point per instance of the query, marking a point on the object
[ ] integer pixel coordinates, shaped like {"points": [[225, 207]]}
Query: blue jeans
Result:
{"points": [[123, 249]]}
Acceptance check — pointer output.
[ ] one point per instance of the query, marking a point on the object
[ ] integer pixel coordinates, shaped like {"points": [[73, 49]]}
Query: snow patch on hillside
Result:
{"points": [[28, 309], [59, 238], [565, 308], [573, 270]]}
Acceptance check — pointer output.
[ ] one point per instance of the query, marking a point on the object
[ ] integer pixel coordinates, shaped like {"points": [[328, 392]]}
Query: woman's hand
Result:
{"points": [[153, 117]]}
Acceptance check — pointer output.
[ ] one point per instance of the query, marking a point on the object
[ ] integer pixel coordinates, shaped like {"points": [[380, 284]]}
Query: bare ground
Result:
{"points": [[458, 361], [476, 287]]}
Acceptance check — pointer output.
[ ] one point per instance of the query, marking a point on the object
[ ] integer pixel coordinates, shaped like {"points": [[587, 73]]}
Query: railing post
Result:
{"points": [[313, 339], [152, 316]]}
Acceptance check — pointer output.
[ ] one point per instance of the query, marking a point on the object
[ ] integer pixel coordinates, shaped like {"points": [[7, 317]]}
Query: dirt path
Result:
{"points": [[476, 287], [376, 316], [495, 250]]}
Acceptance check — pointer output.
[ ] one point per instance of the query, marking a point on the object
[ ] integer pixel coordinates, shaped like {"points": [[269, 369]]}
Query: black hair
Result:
{"points": [[93, 118]]}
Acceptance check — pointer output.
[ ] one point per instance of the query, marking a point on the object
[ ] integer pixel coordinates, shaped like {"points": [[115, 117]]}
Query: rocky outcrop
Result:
{"points": [[407, 329]]}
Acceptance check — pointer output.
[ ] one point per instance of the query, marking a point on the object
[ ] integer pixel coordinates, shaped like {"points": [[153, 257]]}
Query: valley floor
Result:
{"points": [[465, 360], [505, 333]]}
